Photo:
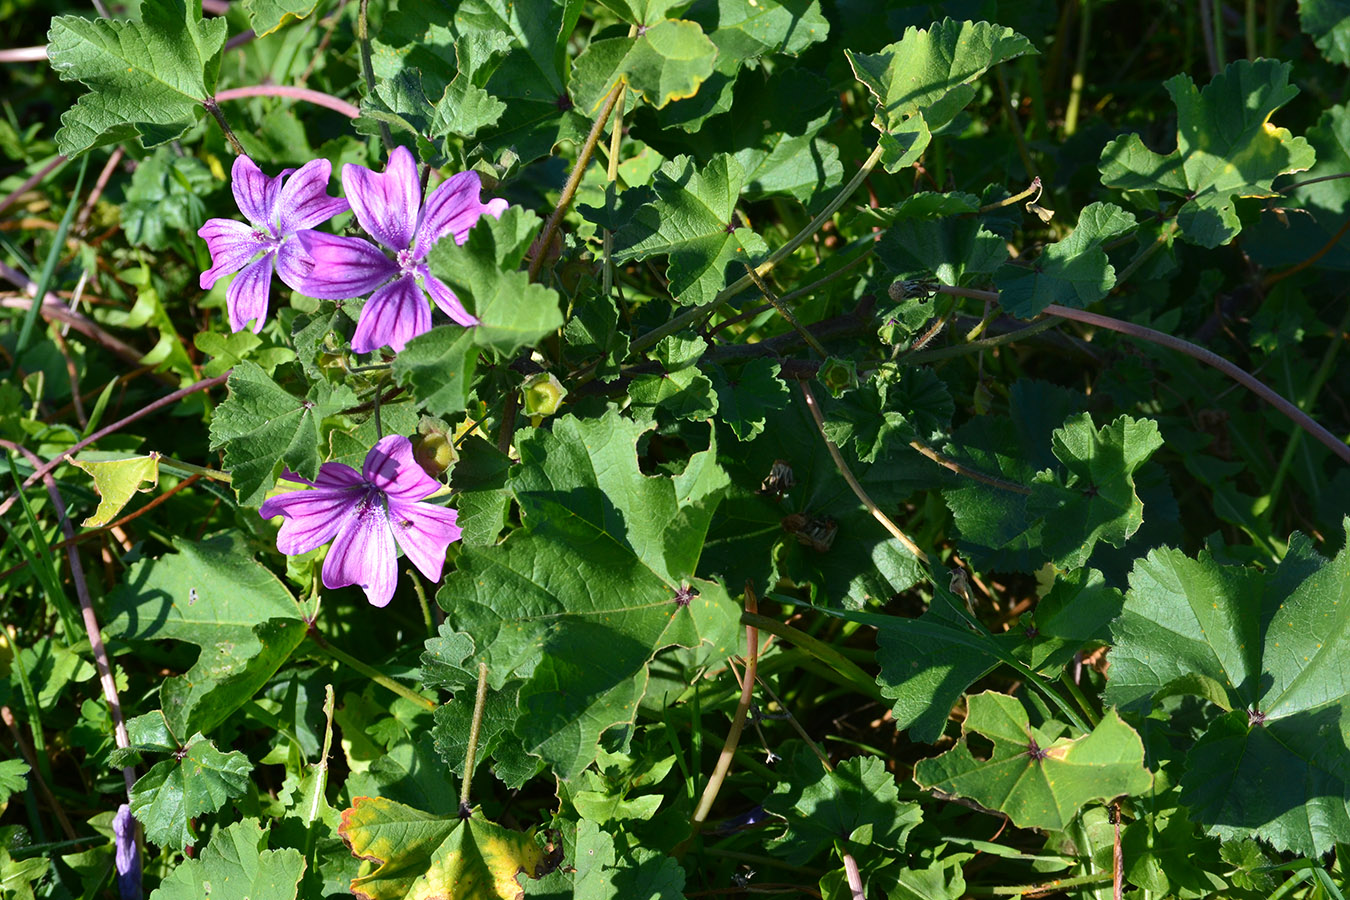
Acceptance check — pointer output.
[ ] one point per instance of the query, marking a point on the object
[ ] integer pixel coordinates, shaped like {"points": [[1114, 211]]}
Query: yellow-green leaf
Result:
{"points": [[116, 480], [419, 856]]}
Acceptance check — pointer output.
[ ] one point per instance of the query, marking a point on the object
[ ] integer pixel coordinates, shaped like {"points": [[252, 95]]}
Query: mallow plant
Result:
{"points": [[692, 449]]}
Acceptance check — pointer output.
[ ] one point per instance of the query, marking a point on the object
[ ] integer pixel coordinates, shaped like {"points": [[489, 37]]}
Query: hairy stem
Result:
{"points": [[861, 494], [213, 108], [573, 182], [470, 752], [965, 472], [786, 313]]}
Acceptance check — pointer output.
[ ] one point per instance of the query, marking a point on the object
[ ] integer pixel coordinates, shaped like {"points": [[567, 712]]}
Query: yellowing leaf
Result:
{"points": [[420, 856], [116, 480]]}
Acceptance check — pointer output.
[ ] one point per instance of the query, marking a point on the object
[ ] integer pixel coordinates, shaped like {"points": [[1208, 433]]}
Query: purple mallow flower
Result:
{"points": [[389, 206], [365, 514], [276, 211], [126, 855]]}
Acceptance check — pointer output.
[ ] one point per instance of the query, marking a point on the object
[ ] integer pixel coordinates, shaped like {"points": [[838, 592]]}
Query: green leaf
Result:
{"points": [[1226, 148], [1328, 22], [681, 390], [147, 77], [164, 199], [1096, 500], [13, 778], [265, 429], [950, 248], [419, 856], [743, 398], [1038, 780], [212, 594], [484, 272], [195, 781], [266, 16], [532, 78], [855, 806], [1272, 648], [604, 568], [641, 12], [117, 481], [602, 873], [923, 80], [692, 221], [438, 367], [665, 62], [1073, 272], [236, 865]]}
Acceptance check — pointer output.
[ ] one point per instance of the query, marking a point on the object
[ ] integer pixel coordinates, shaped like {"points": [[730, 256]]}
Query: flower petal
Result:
{"points": [[304, 201], [452, 209], [313, 517], [394, 315], [386, 203], [343, 267], [390, 467], [255, 193], [423, 532], [294, 265], [231, 245], [246, 297], [331, 474], [363, 553], [446, 299]]}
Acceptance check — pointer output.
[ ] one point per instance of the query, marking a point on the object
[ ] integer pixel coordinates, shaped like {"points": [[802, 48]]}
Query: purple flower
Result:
{"points": [[126, 855], [389, 206], [364, 514], [275, 212]]}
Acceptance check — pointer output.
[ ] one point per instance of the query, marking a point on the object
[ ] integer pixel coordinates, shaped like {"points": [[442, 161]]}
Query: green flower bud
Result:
{"points": [[838, 375], [542, 394], [433, 448]]}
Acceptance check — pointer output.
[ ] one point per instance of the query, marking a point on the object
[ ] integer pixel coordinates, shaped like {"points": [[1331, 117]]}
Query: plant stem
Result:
{"points": [[162, 402], [786, 313], [714, 785], [1032, 890], [1009, 201], [369, 671], [858, 491], [318, 98], [32, 181], [853, 876], [91, 626], [924, 356], [959, 469], [1209, 358], [1077, 693], [211, 106], [367, 68], [169, 462], [573, 181], [1326, 248], [49, 267], [1079, 68], [864, 683], [479, 702]]}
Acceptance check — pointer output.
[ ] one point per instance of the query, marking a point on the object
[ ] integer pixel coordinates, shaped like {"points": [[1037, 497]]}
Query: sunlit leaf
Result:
{"points": [[1038, 779], [1073, 272], [195, 780], [117, 481], [236, 865], [1226, 148]]}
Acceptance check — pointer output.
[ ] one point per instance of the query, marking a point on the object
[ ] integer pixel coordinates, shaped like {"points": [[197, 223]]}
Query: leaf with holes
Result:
{"points": [[1226, 148], [1271, 649]]}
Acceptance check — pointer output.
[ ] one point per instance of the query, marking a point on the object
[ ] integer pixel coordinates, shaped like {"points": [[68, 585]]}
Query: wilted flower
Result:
{"points": [[126, 855], [275, 212], [389, 206], [365, 514]]}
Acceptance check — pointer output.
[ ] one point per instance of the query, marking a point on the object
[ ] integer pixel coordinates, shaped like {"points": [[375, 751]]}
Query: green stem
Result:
{"points": [[1079, 68], [369, 671], [425, 603], [48, 269], [1034, 188], [573, 182], [187, 468], [1251, 29], [1082, 701], [1032, 890], [367, 68], [925, 356], [786, 313], [479, 703], [864, 683]]}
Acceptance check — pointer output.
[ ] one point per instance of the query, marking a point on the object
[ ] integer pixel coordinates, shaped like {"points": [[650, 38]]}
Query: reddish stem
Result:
{"points": [[318, 98]]}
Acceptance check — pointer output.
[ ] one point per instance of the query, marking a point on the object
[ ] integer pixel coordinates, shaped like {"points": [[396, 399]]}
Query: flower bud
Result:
{"points": [[433, 448], [542, 394], [838, 375]]}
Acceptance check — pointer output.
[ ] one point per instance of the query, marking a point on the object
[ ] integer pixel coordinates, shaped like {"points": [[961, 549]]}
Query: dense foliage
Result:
{"points": [[824, 448]]}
